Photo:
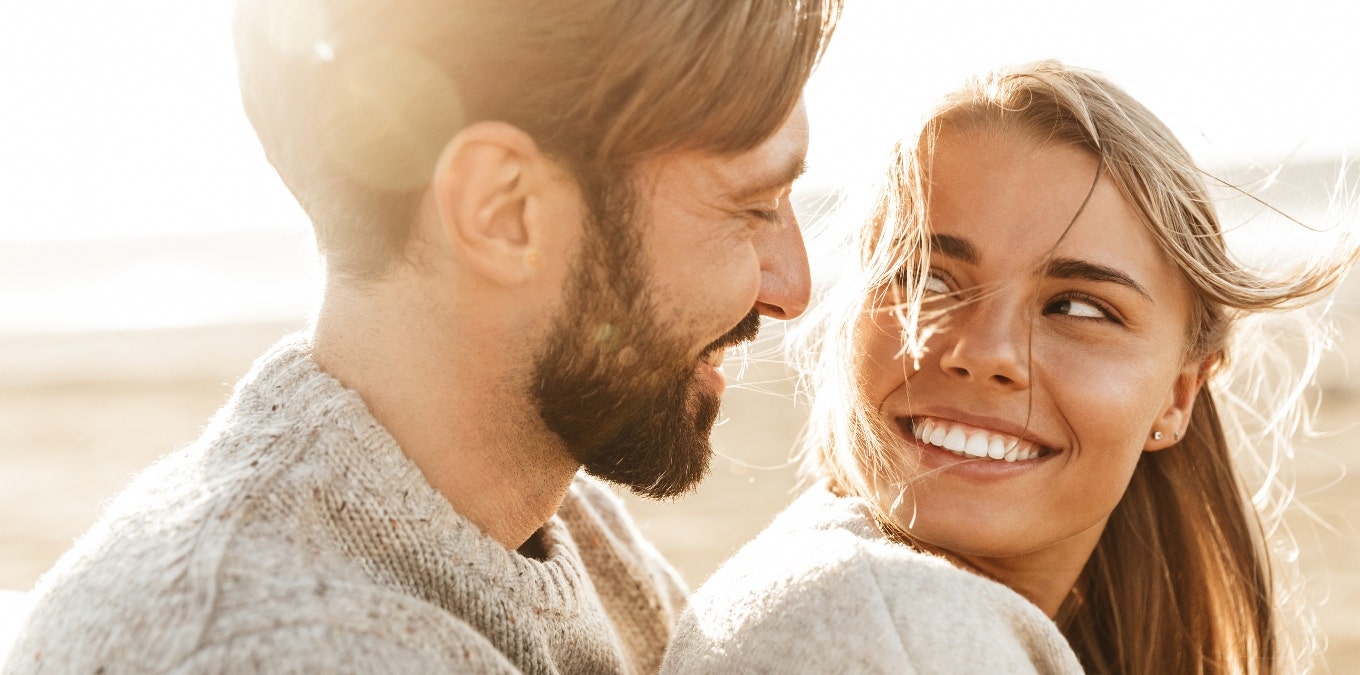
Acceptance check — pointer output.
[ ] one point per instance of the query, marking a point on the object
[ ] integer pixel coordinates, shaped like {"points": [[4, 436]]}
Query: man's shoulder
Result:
{"points": [[323, 647], [198, 531], [639, 590], [340, 623], [286, 625], [215, 583]]}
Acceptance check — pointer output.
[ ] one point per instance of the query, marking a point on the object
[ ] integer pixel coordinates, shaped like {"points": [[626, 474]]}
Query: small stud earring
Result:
{"points": [[1156, 435], [1177, 435]]}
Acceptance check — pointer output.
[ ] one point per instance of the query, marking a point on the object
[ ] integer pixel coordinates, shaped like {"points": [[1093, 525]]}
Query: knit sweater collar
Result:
{"points": [[287, 386]]}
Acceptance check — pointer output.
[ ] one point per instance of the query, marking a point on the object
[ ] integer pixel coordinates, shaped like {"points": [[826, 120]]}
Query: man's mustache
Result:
{"points": [[745, 331]]}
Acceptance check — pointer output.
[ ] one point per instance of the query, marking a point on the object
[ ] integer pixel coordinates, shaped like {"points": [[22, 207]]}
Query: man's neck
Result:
{"points": [[451, 398]]}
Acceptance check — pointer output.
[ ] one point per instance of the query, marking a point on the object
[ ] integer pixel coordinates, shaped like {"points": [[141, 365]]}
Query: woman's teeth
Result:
{"points": [[970, 442]]}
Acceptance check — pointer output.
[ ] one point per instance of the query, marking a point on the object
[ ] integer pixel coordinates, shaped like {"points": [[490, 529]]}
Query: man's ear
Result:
{"points": [[1174, 418], [481, 188]]}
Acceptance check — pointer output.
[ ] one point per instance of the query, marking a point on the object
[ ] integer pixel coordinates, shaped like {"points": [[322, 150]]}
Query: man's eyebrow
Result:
{"points": [[1070, 268], [955, 247], [790, 172]]}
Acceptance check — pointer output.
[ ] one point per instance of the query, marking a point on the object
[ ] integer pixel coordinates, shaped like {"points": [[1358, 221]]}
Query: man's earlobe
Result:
{"points": [[481, 192]]}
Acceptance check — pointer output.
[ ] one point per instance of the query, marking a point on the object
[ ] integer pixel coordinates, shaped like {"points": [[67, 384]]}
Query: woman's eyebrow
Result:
{"points": [[1058, 268], [1071, 268], [955, 247]]}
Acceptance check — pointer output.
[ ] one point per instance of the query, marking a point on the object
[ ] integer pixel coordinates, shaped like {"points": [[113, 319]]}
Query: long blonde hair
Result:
{"points": [[1183, 579]]}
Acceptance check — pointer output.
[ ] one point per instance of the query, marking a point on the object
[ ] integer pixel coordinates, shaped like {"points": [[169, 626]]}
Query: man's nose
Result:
{"points": [[785, 281]]}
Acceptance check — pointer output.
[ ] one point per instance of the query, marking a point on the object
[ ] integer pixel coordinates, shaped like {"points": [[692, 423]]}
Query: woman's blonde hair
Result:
{"points": [[1183, 579]]}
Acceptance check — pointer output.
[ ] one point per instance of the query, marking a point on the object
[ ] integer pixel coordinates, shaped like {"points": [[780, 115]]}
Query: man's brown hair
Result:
{"points": [[353, 100]]}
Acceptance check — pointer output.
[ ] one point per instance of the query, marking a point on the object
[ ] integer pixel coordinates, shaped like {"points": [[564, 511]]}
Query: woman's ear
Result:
{"points": [[1173, 420], [481, 187]]}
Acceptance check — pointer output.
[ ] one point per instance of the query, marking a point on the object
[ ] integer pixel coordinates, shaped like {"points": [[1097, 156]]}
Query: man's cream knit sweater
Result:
{"points": [[296, 537]]}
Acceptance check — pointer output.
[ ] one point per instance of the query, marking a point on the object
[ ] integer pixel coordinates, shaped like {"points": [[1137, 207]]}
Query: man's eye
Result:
{"points": [[767, 216]]}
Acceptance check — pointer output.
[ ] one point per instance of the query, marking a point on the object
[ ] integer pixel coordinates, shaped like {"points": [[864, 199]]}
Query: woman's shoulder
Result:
{"points": [[821, 588], [824, 543]]}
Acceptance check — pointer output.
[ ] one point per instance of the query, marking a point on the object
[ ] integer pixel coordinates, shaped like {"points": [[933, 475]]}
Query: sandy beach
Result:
{"points": [[83, 412]]}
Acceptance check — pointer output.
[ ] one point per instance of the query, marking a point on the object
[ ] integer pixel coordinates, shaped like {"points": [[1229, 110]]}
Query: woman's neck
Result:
{"points": [[1046, 577]]}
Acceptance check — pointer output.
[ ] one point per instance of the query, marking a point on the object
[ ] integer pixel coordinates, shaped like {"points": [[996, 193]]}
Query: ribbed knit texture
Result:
{"points": [[295, 536], [821, 590]]}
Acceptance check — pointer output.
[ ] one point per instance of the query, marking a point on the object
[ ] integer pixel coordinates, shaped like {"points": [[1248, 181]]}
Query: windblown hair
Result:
{"points": [[1183, 579], [354, 100]]}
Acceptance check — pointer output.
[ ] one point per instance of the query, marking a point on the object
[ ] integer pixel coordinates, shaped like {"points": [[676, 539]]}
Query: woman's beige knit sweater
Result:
{"points": [[295, 537], [821, 590]]}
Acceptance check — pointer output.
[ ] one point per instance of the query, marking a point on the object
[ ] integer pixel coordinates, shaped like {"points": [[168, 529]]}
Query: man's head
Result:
{"points": [[678, 127], [353, 100]]}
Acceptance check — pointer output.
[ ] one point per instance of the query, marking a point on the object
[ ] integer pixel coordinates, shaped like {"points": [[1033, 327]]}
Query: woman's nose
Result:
{"points": [[985, 344]]}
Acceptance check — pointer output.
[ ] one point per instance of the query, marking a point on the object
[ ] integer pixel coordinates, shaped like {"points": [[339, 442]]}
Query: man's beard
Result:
{"points": [[616, 385]]}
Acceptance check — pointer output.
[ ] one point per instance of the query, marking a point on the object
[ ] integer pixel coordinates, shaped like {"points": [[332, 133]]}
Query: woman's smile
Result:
{"points": [[976, 450], [971, 442]]}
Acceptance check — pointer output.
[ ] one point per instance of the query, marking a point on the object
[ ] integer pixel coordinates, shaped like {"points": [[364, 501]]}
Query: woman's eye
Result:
{"points": [[935, 284], [1077, 307]]}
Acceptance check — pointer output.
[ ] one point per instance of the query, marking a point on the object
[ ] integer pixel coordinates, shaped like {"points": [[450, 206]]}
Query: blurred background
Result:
{"points": [[148, 252]]}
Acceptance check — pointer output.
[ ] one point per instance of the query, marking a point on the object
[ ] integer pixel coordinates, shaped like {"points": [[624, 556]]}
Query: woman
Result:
{"points": [[1022, 463]]}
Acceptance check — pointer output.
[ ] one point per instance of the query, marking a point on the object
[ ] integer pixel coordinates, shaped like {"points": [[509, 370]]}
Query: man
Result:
{"points": [[542, 223]]}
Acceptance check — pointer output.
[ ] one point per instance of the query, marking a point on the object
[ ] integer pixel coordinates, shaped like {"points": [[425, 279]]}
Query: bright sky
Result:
{"points": [[123, 119], [1250, 81]]}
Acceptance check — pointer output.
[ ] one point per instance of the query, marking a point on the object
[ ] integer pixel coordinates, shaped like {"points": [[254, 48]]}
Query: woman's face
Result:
{"points": [[1058, 353]]}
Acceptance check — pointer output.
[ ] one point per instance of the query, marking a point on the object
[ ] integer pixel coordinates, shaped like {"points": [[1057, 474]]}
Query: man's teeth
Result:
{"points": [[715, 357], [970, 442]]}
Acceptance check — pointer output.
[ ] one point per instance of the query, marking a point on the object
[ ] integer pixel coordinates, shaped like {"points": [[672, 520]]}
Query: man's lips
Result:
{"points": [[713, 354], [745, 331], [714, 358]]}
